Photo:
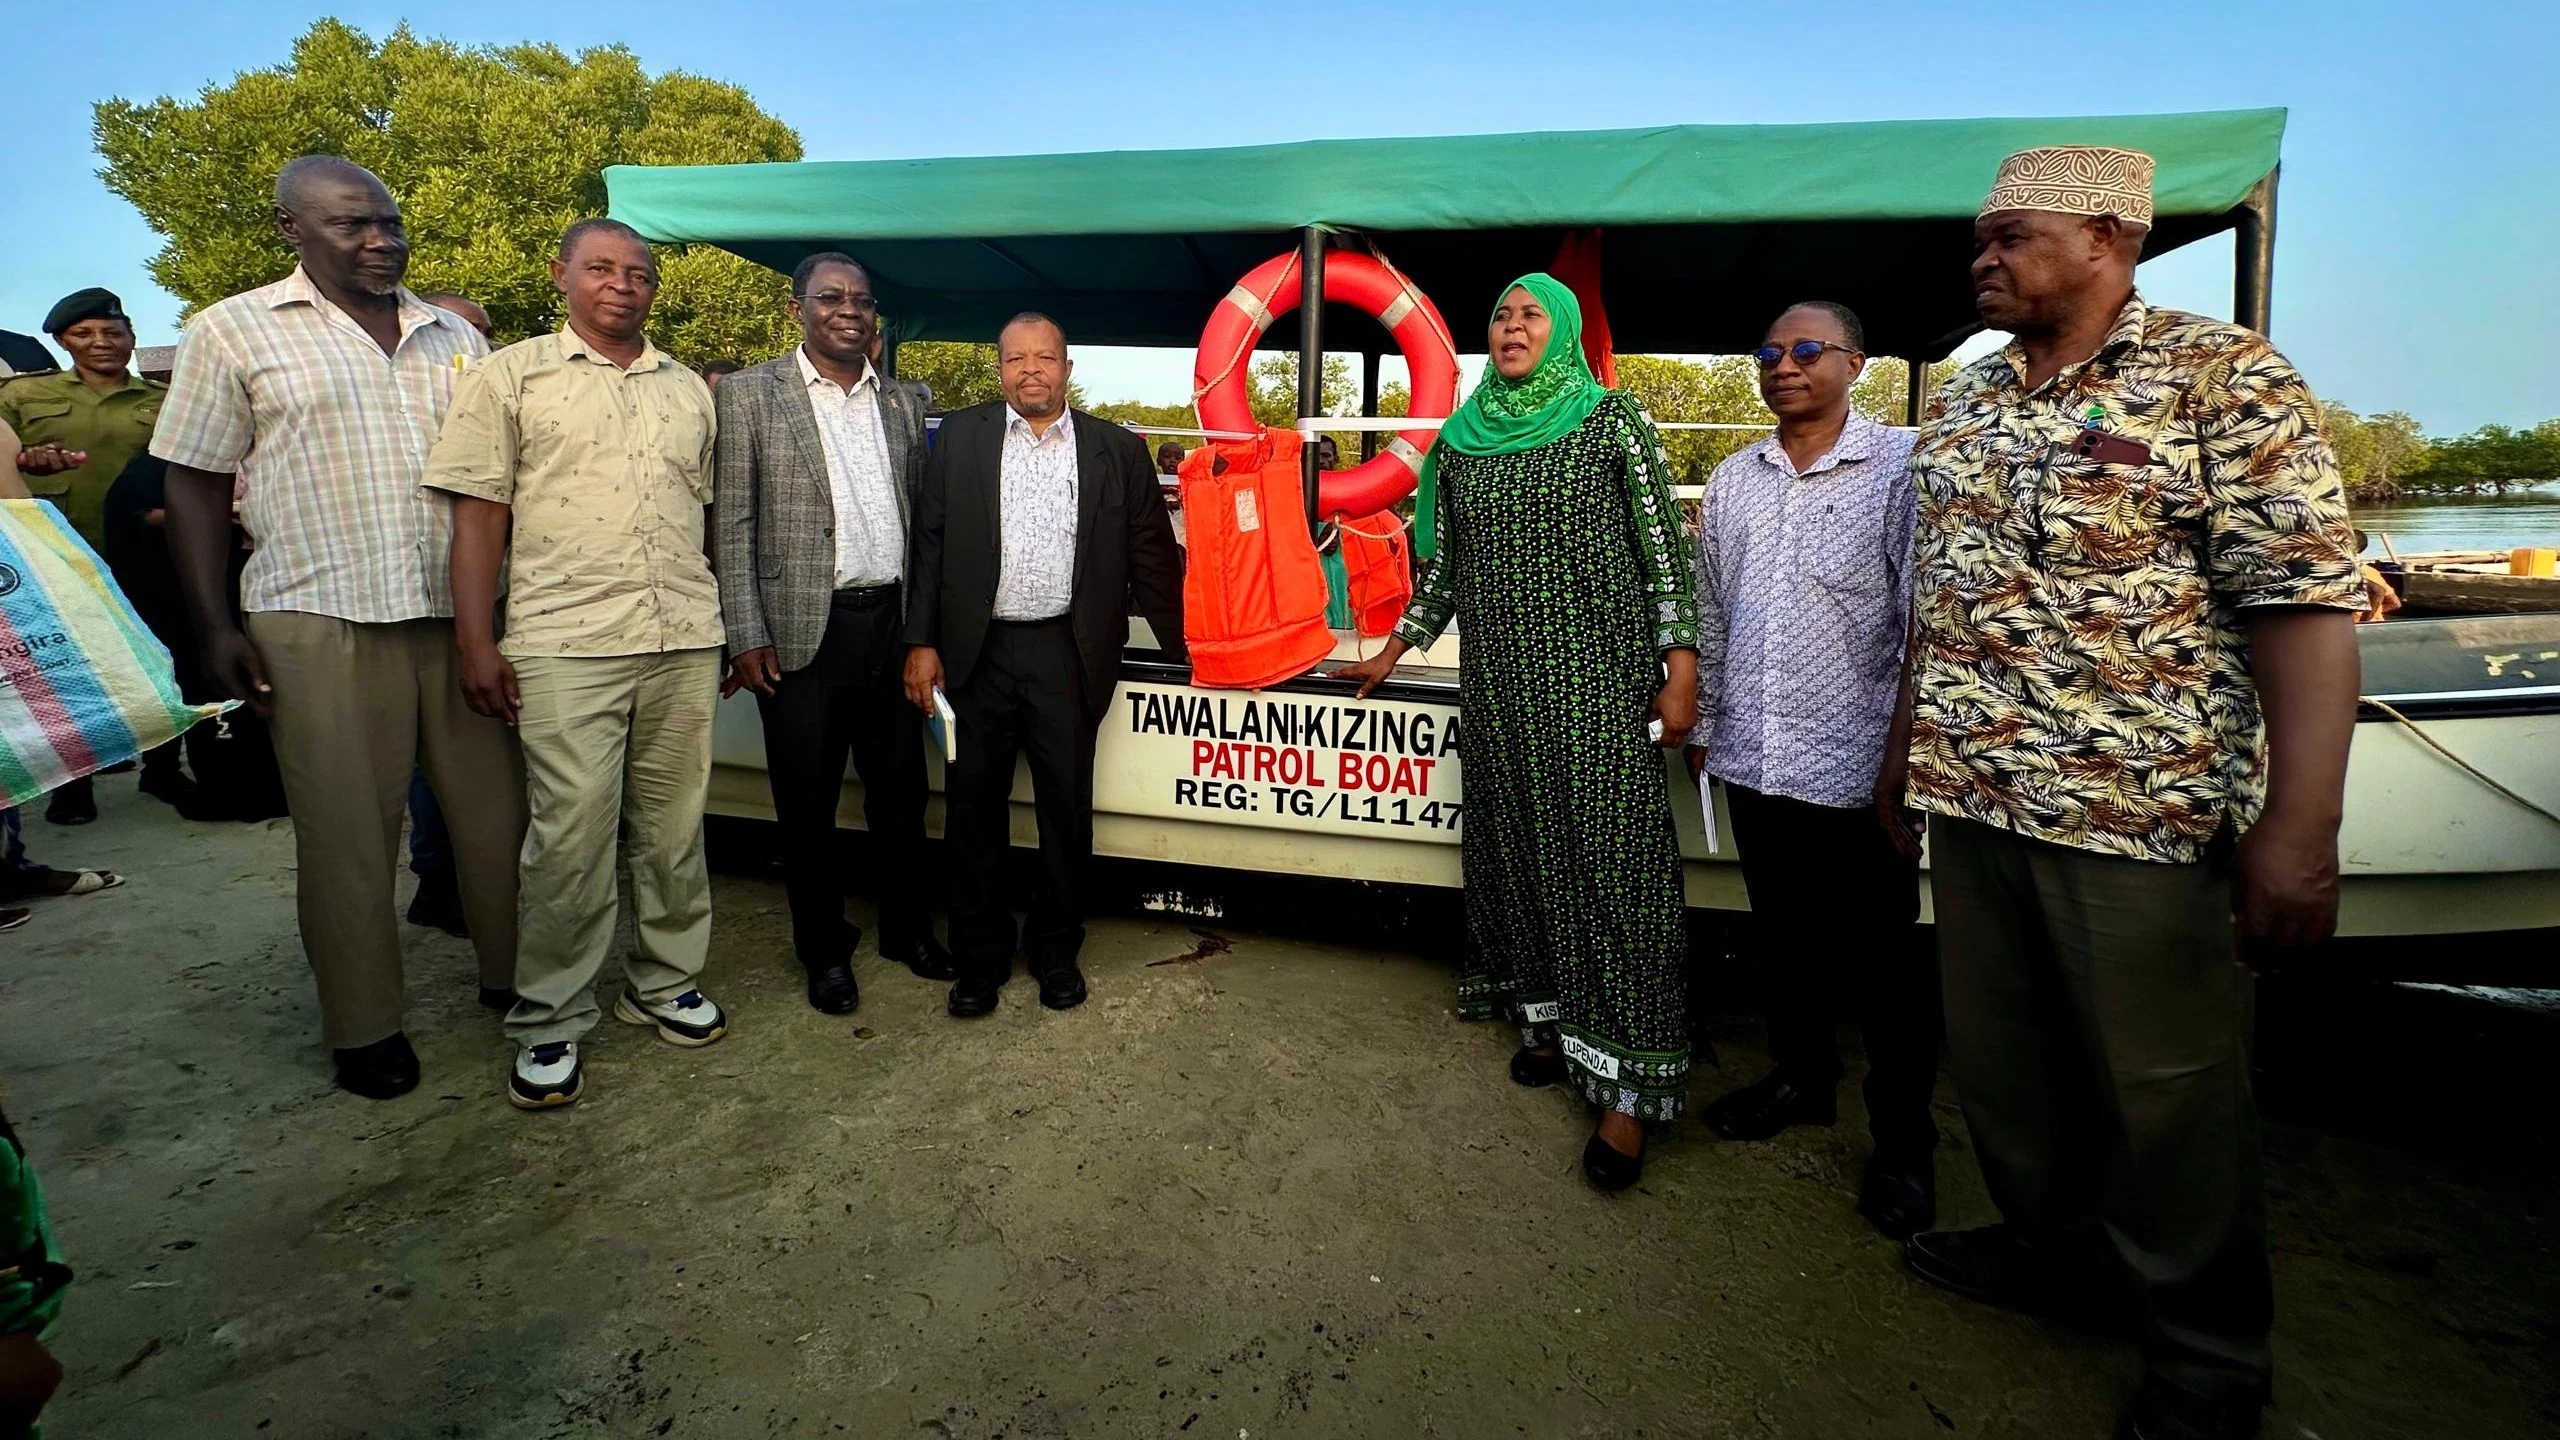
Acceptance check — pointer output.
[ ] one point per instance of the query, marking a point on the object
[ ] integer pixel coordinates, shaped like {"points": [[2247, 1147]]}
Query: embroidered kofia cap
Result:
{"points": [[2076, 180]]}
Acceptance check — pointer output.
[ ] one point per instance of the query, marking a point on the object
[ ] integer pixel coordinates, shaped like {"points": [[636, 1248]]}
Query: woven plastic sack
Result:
{"points": [[83, 682]]}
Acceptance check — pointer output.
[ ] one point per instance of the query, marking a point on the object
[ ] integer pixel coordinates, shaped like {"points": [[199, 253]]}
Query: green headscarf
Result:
{"points": [[1504, 417]]}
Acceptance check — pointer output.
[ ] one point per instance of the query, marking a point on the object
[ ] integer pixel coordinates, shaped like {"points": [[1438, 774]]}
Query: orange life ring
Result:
{"points": [[1273, 289]]}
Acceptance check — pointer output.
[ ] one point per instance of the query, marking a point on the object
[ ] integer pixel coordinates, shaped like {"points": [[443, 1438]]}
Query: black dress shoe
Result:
{"points": [[1760, 1110], [438, 904], [379, 1071], [1608, 1167], [925, 957], [831, 989], [1534, 1070], [1062, 986], [498, 998], [972, 997], [1989, 1263], [169, 784], [2164, 1411], [1900, 1197]]}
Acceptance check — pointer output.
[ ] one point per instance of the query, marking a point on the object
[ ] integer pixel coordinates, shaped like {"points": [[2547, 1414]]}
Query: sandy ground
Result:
{"points": [[1278, 1191]]}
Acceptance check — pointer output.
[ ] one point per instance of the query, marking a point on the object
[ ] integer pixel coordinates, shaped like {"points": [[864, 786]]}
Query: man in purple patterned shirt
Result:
{"points": [[1804, 589]]}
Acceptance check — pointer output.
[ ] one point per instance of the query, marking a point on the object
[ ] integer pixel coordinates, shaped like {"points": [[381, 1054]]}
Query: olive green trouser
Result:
{"points": [[613, 746], [358, 708], [2099, 1032]]}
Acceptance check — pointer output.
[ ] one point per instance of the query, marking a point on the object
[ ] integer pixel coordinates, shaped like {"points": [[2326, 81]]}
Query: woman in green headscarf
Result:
{"points": [[1559, 544]]}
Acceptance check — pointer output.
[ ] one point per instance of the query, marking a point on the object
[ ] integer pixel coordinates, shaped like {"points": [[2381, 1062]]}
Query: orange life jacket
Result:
{"points": [[1377, 568], [1252, 589]]}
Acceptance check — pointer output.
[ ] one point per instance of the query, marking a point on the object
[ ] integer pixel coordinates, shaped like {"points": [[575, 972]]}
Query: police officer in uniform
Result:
{"points": [[76, 430]]}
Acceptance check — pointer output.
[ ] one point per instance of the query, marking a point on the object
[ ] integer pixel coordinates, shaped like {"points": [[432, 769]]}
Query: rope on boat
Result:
{"points": [[2465, 766]]}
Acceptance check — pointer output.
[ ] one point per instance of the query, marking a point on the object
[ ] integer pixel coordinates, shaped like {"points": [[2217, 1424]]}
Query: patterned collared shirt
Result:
{"points": [[329, 437], [1804, 586], [871, 538], [1037, 524], [607, 470], [2083, 675]]}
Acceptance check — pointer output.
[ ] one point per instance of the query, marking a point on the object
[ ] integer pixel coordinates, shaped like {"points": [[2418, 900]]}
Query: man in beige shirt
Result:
{"points": [[581, 462]]}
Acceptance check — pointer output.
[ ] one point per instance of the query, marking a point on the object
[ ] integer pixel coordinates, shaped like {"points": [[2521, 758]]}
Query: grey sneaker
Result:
{"points": [[690, 1019]]}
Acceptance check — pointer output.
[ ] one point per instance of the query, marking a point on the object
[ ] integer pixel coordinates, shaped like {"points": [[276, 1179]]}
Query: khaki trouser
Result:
{"points": [[356, 708], [615, 743], [2100, 1038]]}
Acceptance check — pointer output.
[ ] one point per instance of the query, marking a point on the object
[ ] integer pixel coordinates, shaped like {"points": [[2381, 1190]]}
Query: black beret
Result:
{"points": [[93, 303]]}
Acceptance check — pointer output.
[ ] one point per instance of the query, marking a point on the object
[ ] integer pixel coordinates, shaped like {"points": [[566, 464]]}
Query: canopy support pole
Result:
{"points": [[1369, 403], [1310, 357], [2253, 256], [1915, 390]]}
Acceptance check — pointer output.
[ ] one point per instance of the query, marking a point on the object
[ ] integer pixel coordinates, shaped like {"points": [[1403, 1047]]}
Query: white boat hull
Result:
{"points": [[1297, 783]]}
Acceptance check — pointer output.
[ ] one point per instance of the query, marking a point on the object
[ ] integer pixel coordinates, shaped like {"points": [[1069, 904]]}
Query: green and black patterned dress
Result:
{"points": [[1569, 570]]}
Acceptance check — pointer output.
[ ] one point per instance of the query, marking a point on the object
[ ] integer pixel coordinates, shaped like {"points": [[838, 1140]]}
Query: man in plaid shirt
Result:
{"points": [[318, 396]]}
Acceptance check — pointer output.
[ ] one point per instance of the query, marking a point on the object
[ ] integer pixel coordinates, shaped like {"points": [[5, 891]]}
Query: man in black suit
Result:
{"points": [[818, 458], [1037, 529]]}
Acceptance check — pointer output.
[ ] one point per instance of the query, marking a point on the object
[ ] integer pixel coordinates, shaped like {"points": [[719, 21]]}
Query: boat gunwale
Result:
{"points": [[1436, 686]]}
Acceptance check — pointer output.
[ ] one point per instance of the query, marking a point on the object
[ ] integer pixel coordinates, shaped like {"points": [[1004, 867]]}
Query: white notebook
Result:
{"points": [[945, 726]]}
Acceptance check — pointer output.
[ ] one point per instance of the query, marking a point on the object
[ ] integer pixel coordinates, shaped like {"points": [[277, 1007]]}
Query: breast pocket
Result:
{"points": [[41, 423], [1842, 552], [2098, 515]]}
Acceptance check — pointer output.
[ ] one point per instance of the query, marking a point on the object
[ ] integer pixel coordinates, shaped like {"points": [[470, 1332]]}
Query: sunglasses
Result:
{"points": [[1803, 352]]}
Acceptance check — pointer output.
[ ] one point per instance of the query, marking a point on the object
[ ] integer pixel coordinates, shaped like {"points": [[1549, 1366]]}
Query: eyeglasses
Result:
{"points": [[1803, 352], [860, 304]]}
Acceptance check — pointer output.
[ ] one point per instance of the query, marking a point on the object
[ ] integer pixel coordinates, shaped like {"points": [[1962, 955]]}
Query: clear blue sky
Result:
{"points": [[2415, 263]]}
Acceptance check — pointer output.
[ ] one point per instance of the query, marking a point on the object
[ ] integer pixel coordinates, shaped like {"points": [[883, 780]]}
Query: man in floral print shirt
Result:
{"points": [[2133, 682]]}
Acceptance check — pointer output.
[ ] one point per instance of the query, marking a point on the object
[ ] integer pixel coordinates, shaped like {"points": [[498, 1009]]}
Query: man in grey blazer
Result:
{"points": [[818, 460]]}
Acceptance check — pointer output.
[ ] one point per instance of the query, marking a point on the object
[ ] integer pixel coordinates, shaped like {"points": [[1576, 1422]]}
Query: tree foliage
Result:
{"points": [[492, 152], [2493, 457], [1141, 413], [961, 374], [1273, 388], [2375, 453], [2382, 457], [1720, 391]]}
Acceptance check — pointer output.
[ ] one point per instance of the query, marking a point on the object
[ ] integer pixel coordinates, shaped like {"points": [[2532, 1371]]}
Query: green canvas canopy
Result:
{"points": [[1707, 229]]}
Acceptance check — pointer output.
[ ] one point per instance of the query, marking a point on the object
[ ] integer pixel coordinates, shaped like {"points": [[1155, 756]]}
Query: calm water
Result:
{"points": [[2467, 522]]}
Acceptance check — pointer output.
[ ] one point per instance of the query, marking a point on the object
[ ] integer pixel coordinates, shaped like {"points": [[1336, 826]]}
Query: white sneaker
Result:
{"points": [[546, 1076], [690, 1019]]}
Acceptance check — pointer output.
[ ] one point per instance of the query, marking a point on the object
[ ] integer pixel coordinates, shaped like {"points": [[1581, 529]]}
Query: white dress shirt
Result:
{"points": [[1804, 593], [871, 536], [1040, 484]]}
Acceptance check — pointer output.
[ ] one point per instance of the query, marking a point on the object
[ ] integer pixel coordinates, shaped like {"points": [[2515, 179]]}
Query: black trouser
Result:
{"points": [[850, 697], [2100, 1036], [1026, 697], [162, 760], [1837, 910]]}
